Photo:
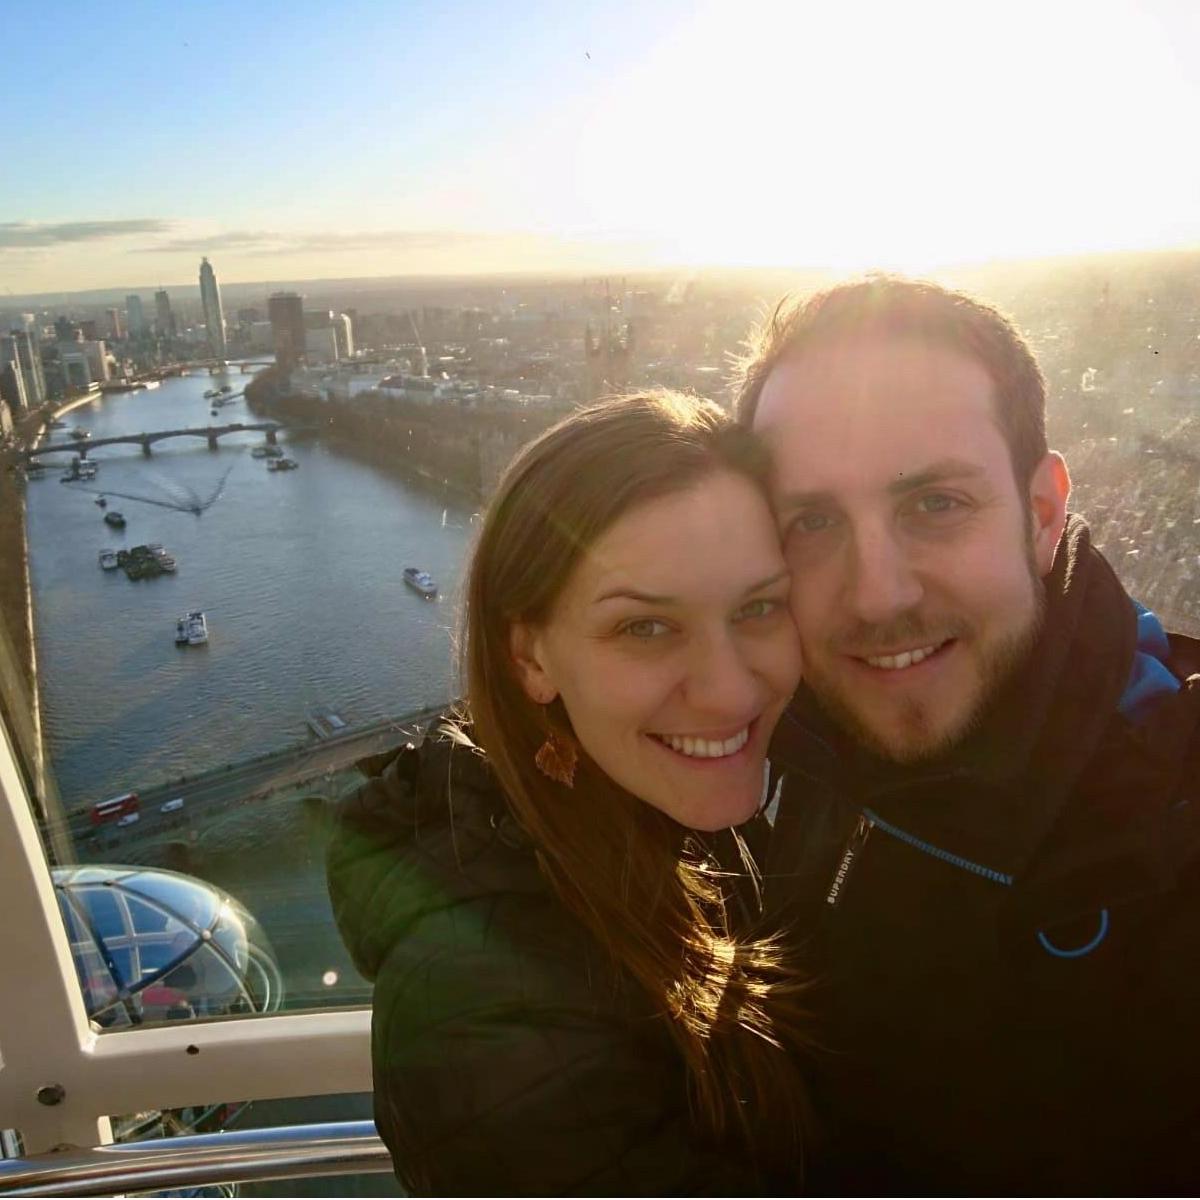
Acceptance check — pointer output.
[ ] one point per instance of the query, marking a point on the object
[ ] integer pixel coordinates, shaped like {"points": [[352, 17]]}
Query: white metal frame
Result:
{"points": [[47, 1040]]}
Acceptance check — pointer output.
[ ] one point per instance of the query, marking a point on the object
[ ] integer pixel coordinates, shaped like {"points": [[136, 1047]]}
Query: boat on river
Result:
{"points": [[420, 581], [325, 723], [108, 560], [191, 629], [282, 464], [115, 519], [80, 433]]}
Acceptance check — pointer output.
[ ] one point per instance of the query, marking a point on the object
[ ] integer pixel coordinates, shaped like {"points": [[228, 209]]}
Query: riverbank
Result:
{"points": [[16, 609], [459, 452], [16, 642]]}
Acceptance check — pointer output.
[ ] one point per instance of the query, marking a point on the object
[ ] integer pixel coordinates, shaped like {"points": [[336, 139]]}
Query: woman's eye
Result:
{"points": [[758, 608], [645, 628]]}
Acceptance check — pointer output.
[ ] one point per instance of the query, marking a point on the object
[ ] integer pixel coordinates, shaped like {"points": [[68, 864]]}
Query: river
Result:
{"points": [[300, 573]]}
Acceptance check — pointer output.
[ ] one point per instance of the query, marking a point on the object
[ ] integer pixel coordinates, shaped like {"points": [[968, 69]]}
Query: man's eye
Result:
{"points": [[645, 628], [811, 522], [936, 502]]}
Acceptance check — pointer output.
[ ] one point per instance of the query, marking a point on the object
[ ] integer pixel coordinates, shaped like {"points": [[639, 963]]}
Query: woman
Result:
{"points": [[561, 1003]]}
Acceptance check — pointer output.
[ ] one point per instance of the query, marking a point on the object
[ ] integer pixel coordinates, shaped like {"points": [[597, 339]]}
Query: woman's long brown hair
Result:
{"points": [[636, 879]]}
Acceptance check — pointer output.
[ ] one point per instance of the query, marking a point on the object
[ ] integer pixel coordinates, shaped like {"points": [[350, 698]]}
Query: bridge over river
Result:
{"points": [[146, 440]]}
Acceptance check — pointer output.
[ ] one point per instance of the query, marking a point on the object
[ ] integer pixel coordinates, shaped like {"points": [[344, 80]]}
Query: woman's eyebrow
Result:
{"points": [[626, 593]]}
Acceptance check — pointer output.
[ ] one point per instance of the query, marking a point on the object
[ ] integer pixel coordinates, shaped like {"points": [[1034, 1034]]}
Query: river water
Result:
{"points": [[300, 573]]}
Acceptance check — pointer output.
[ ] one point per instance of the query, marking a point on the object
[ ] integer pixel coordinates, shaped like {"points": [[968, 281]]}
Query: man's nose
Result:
{"points": [[882, 579]]}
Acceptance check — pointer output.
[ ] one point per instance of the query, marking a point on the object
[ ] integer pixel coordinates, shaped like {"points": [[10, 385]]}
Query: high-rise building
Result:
{"points": [[26, 352], [12, 378], [164, 318], [286, 311], [115, 331], [214, 317], [320, 345], [345, 335], [136, 314], [90, 329]]}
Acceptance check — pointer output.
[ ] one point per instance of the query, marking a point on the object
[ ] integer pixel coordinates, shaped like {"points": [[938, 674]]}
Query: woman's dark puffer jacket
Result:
{"points": [[510, 1057]]}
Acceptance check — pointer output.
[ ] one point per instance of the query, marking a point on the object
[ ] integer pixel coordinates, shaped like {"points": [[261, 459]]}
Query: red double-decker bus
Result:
{"points": [[104, 811]]}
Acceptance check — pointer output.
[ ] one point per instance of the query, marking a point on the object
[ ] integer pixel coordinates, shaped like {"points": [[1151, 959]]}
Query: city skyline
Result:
{"points": [[481, 139]]}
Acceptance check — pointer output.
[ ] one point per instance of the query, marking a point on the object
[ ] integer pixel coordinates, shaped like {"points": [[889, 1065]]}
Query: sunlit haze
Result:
{"points": [[302, 140]]}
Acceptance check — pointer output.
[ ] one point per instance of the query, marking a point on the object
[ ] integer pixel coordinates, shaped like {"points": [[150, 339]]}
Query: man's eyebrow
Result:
{"points": [[938, 472], [624, 593]]}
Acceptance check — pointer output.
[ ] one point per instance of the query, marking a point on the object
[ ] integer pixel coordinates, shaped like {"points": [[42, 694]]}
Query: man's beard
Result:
{"points": [[919, 740]]}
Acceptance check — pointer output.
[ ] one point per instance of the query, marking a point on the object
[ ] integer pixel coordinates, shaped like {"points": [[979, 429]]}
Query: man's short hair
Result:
{"points": [[887, 305]]}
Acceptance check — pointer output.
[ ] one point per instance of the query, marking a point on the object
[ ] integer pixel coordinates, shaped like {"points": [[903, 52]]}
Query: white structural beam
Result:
{"points": [[50, 1051]]}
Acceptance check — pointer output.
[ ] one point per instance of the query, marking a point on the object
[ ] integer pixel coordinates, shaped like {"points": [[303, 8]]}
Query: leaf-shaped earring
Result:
{"points": [[557, 759]]}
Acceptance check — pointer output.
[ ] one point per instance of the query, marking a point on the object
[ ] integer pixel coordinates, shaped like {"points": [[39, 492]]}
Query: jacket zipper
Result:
{"points": [[857, 840]]}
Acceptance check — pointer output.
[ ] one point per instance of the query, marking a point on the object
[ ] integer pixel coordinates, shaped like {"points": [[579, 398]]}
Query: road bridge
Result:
{"points": [[215, 366], [212, 433]]}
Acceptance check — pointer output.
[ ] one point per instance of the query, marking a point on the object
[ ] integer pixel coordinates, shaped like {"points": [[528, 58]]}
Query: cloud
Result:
{"points": [[233, 240], [264, 242], [23, 235]]}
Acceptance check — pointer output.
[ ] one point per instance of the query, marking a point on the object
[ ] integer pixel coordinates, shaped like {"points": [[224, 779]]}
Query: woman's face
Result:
{"points": [[674, 652]]}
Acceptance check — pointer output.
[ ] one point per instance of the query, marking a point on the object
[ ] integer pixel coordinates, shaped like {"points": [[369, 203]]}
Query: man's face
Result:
{"points": [[916, 560]]}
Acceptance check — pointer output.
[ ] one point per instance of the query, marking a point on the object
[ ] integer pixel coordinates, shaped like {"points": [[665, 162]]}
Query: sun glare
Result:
{"points": [[900, 136]]}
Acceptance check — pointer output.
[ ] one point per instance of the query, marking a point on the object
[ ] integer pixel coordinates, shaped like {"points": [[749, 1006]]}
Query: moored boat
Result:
{"points": [[191, 629], [115, 519], [325, 723], [420, 581], [108, 560]]}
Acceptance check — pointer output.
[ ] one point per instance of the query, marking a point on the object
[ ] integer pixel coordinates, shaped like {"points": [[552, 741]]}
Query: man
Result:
{"points": [[986, 851]]}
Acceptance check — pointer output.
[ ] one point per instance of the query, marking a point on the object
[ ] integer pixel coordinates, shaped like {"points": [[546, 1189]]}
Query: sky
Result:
{"points": [[303, 140]]}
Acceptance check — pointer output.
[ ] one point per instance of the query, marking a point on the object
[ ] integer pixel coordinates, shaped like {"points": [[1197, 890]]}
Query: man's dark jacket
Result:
{"points": [[509, 1057], [1008, 941]]}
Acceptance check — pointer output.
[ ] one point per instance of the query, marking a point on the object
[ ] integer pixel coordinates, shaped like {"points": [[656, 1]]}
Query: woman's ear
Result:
{"points": [[525, 649]]}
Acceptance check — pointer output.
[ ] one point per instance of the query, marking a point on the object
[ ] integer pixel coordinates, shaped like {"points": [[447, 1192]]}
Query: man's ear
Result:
{"points": [[524, 647], [1049, 491]]}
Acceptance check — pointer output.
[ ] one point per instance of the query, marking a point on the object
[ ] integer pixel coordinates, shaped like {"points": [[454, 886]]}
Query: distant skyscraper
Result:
{"points": [[286, 311], [13, 384], [114, 324], [163, 316], [214, 318], [22, 348], [345, 335], [136, 314]]}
